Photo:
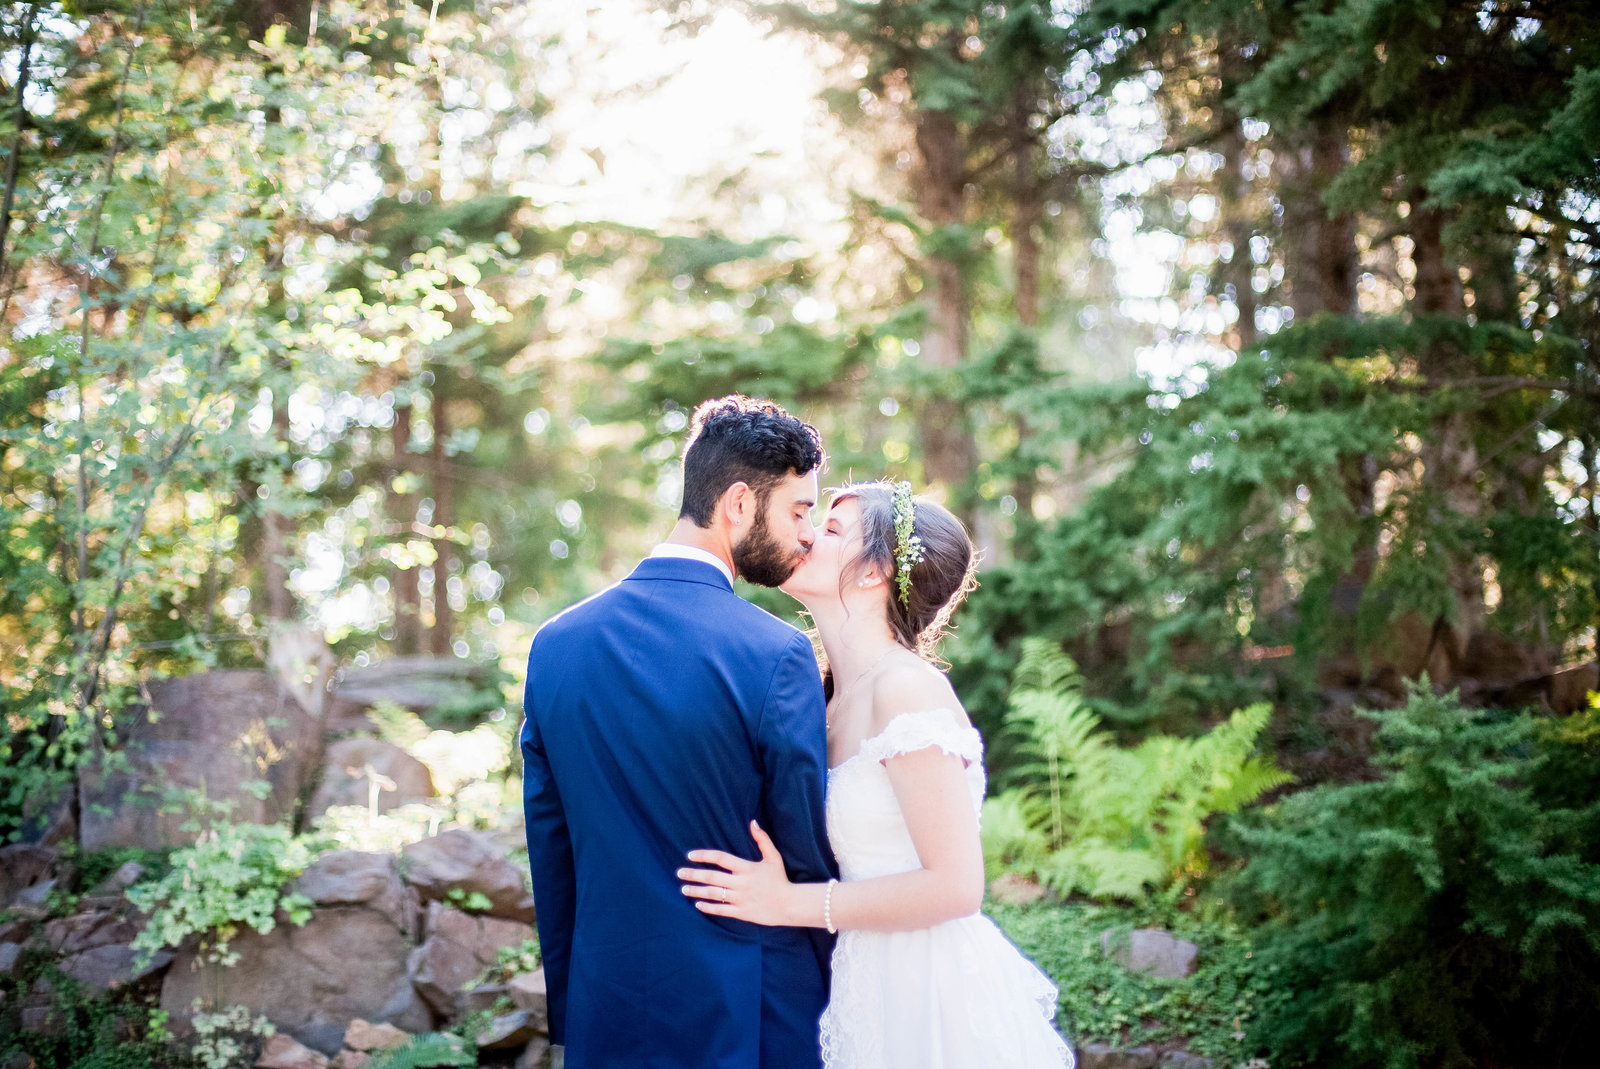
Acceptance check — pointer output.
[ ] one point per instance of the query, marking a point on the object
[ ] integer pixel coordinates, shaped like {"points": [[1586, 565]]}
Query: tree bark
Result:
{"points": [[442, 635], [276, 531], [1319, 248], [1028, 217], [24, 65], [1450, 456], [949, 453], [402, 509]]}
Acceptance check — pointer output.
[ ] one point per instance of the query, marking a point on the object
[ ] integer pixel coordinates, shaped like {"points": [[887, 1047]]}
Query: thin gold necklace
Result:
{"points": [[839, 694]]}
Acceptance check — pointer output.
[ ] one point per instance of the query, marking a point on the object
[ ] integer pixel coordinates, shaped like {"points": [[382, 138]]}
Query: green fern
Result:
{"points": [[1109, 821], [426, 1050]]}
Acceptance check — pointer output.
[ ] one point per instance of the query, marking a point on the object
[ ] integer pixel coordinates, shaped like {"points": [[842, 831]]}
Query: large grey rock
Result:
{"points": [[1182, 1059], [10, 955], [85, 931], [217, 732], [357, 878], [351, 766], [459, 947], [112, 966], [1101, 1056], [23, 866], [468, 862], [538, 1054], [416, 683], [1009, 889], [1153, 951], [282, 1052], [347, 962], [127, 874], [485, 998], [509, 1031], [528, 992], [365, 1036]]}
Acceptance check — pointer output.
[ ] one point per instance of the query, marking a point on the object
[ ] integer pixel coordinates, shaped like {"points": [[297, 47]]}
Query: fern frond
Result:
{"points": [[1102, 870], [427, 1050], [1045, 667], [1013, 829], [1255, 777]]}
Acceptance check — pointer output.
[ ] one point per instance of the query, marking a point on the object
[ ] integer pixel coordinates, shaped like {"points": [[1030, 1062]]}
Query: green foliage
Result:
{"points": [[91, 1030], [475, 902], [511, 961], [1109, 821], [222, 1039], [1211, 1013], [428, 1049], [93, 868], [234, 875], [1445, 915]]}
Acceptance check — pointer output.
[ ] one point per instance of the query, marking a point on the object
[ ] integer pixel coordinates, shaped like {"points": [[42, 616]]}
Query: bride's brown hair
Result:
{"points": [[940, 581]]}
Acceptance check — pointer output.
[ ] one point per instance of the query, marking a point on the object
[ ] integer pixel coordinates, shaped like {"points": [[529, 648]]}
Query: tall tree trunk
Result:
{"points": [[1232, 187], [277, 529], [402, 508], [20, 110], [1028, 217], [1319, 248], [444, 515], [949, 453], [1450, 455]]}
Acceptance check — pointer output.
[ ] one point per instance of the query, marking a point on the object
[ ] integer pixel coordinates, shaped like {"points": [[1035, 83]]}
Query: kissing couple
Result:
{"points": [[707, 809]]}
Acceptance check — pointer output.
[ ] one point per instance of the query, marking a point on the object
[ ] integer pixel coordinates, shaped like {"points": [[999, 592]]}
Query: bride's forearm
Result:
{"points": [[903, 902]]}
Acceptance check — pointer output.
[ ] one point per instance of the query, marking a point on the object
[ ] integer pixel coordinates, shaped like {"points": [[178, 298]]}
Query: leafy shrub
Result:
{"points": [[1447, 914], [1207, 1013], [234, 875], [1102, 819], [92, 1030]]}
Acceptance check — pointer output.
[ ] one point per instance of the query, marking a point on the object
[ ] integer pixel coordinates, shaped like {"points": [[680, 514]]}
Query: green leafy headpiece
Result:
{"points": [[908, 547]]}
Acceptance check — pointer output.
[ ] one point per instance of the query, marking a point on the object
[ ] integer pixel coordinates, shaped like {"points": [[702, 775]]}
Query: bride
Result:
{"points": [[921, 979]]}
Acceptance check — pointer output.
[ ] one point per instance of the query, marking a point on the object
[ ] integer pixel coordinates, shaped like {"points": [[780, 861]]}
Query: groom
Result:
{"points": [[663, 715]]}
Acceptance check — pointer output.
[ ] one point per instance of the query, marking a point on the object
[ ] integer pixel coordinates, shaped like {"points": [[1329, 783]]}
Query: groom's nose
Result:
{"points": [[807, 534]]}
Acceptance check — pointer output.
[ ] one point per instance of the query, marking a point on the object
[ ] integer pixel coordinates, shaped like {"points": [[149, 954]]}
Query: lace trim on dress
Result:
{"points": [[922, 728]]}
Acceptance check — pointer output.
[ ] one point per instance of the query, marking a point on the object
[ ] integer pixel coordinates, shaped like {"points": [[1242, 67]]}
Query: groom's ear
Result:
{"points": [[738, 505]]}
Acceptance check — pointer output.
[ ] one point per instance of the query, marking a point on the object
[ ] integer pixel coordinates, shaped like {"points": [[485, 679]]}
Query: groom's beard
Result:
{"points": [[760, 559]]}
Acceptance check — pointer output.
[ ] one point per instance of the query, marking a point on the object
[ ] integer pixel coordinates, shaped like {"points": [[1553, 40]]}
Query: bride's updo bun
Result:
{"points": [[939, 581]]}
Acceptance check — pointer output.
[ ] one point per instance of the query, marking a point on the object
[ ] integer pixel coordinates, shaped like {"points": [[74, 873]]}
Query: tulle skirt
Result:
{"points": [[954, 996]]}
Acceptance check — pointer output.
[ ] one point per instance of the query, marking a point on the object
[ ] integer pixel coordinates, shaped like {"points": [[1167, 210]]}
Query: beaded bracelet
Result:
{"points": [[827, 908]]}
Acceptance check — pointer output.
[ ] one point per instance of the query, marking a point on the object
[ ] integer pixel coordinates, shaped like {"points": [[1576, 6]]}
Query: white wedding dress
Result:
{"points": [[954, 996]]}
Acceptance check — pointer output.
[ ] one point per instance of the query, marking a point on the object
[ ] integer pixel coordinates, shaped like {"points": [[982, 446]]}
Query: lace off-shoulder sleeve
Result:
{"points": [[909, 732]]}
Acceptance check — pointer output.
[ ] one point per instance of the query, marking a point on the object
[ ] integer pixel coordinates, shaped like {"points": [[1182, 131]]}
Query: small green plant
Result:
{"points": [[221, 1038], [511, 961], [426, 1050], [234, 875], [469, 902], [1109, 821]]}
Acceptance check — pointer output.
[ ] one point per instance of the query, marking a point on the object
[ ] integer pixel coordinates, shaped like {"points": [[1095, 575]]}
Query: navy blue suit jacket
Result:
{"points": [[663, 715]]}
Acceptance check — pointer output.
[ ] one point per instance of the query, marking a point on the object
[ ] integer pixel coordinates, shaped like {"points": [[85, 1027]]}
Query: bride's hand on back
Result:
{"points": [[754, 891]]}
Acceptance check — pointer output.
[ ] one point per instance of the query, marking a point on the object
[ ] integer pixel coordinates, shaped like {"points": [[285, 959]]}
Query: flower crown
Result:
{"points": [[908, 547]]}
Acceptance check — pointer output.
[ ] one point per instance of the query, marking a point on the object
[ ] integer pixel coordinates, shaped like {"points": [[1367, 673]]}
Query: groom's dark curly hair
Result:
{"points": [[739, 439]]}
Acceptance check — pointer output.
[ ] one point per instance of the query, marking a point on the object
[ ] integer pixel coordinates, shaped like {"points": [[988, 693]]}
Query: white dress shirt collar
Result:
{"points": [[704, 556]]}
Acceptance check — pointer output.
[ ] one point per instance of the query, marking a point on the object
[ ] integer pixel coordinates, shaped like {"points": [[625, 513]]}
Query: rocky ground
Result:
{"points": [[396, 942]]}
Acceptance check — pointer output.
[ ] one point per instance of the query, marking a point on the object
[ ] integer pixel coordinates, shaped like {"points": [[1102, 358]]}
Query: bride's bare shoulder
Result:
{"points": [[911, 685]]}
